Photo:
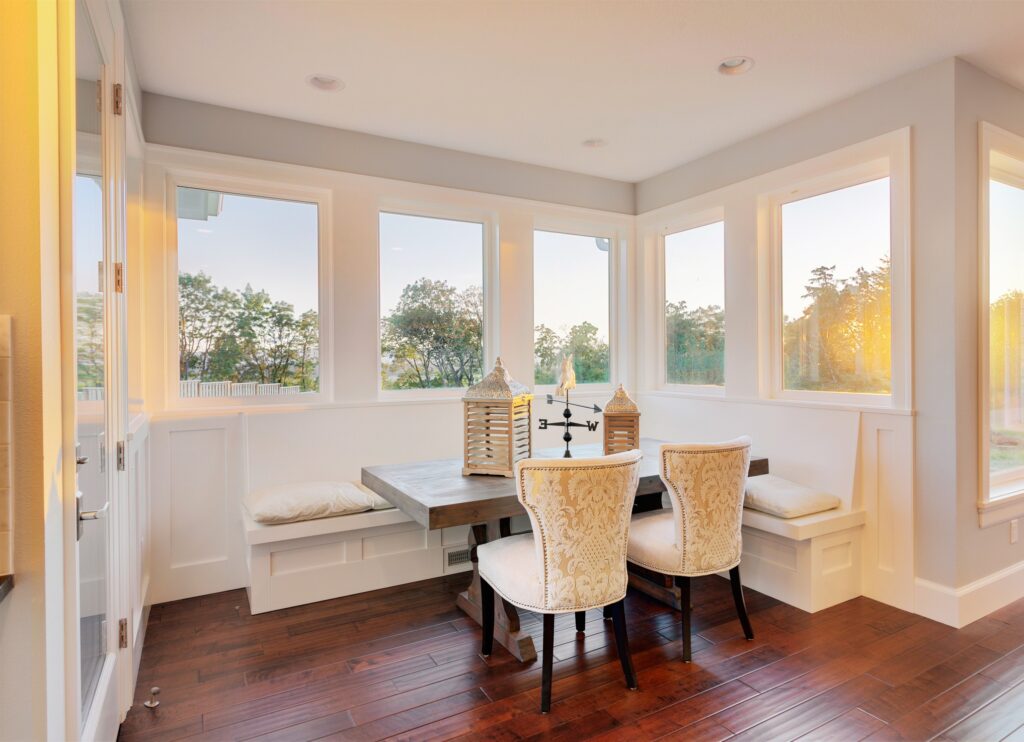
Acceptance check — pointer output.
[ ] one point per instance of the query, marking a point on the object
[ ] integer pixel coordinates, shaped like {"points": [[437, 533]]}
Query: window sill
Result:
{"points": [[1001, 509], [778, 402]]}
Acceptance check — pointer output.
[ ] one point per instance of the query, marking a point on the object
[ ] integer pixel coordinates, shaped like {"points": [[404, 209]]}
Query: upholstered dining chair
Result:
{"points": [[701, 534], [575, 558]]}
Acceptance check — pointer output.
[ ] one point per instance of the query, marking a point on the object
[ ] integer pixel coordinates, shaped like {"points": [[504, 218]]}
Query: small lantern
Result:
{"points": [[497, 420], [621, 423]]}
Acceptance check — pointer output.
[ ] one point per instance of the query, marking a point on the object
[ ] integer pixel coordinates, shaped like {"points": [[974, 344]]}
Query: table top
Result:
{"points": [[437, 495]]}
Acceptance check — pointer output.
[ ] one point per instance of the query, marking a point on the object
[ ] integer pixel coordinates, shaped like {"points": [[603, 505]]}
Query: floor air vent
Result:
{"points": [[456, 559]]}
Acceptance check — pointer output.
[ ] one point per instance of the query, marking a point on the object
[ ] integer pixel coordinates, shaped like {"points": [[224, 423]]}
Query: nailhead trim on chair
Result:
{"points": [[543, 536], [684, 546]]}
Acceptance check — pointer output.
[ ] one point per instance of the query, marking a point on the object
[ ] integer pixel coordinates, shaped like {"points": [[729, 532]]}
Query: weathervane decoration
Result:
{"points": [[566, 383]]}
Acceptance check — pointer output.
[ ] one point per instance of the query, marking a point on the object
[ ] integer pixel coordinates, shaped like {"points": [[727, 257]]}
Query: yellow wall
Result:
{"points": [[31, 618]]}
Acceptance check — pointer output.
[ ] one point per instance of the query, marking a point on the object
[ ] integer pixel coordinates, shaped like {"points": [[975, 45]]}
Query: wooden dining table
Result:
{"points": [[437, 495]]}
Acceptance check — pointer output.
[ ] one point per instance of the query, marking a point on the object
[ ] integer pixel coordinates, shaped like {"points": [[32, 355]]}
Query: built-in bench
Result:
{"points": [[296, 563], [292, 564], [811, 562]]}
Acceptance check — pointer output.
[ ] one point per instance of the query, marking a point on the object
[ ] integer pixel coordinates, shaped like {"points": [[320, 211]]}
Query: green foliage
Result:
{"points": [[590, 354], [89, 339], [1005, 383], [240, 336], [433, 338], [843, 340], [694, 344]]}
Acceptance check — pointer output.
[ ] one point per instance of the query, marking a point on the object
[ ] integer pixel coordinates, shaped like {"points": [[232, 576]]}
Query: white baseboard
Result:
{"points": [[960, 606]]}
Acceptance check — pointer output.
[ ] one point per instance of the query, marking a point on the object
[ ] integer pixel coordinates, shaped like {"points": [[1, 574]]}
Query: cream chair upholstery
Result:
{"points": [[702, 534], [575, 558]]}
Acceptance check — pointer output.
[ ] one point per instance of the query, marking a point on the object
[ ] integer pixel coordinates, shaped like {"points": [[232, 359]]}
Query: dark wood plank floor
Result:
{"points": [[402, 663]]}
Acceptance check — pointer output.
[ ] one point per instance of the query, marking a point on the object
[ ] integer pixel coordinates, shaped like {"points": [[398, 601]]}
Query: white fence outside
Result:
{"points": [[193, 388]]}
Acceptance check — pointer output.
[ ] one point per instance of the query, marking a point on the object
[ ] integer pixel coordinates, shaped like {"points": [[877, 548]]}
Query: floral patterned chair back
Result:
{"points": [[706, 484], [580, 511]]}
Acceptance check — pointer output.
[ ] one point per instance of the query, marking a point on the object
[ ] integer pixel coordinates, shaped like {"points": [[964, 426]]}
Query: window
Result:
{"points": [[570, 306], [695, 306], [88, 236], [836, 297], [431, 302], [1005, 324], [248, 295]]}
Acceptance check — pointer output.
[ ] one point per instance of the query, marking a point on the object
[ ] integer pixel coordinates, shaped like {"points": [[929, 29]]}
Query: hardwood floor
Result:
{"points": [[403, 663]]}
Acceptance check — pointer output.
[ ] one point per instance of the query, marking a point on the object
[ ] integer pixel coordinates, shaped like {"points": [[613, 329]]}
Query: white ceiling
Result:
{"points": [[529, 80]]}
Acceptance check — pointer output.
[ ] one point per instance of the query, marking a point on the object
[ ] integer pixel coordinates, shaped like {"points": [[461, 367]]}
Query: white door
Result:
{"points": [[99, 417]]}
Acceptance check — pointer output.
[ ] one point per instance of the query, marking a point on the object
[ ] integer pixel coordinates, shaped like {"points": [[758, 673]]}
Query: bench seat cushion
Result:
{"points": [[784, 499], [294, 502]]}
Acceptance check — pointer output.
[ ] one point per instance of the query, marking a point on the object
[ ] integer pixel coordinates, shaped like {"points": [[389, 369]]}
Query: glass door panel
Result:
{"points": [[92, 347]]}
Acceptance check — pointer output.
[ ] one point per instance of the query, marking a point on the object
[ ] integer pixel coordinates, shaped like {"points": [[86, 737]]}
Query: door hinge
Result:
{"points": [[120, 456], [122, 633], [118, 99], [119, 278]]}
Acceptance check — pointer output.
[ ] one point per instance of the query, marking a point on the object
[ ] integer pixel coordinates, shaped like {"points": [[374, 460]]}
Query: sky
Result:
{"points": [[1006, 230], [268, 243], [570, 282], [695, 266], [414, 247], [848, 228], [88, 231]]}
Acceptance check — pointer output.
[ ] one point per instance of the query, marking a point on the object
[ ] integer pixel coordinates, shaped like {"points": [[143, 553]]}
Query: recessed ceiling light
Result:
{"points": [[327, 83], [735, 65], [595, 143]]}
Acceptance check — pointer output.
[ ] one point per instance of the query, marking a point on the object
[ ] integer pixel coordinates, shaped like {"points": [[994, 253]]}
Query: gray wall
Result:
{"points": [[923, 100], [183, 123]]}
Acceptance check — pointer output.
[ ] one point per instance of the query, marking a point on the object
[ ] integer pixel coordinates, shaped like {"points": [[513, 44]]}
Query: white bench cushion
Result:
{"points": [[784, 499], [300, 501]]}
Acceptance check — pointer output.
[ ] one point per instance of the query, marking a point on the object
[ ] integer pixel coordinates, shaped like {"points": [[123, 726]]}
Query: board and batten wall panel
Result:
{"points": [[197, 524], [886, 484]]}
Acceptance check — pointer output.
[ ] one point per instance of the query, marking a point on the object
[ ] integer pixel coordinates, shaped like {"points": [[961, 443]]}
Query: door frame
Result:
{"points": [[109, 706]]}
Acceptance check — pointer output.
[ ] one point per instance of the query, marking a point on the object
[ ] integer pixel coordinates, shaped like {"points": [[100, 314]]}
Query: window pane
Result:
{"points": [[1006, 319], [695, 306], [248, 295], [570, 306], [431, 302], [836, 297], [88, 237]]}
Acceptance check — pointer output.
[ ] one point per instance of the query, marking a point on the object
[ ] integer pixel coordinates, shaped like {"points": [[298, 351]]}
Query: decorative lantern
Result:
{"points": [[497, 420], [621, 423]]}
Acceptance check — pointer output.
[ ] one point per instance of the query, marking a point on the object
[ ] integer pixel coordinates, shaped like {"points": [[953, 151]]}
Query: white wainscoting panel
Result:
{"points": [[198, 546], [886, 479]]}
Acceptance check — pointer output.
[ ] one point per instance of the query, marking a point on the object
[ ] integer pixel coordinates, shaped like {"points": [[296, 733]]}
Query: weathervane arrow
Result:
{"points": [[552, 399]]}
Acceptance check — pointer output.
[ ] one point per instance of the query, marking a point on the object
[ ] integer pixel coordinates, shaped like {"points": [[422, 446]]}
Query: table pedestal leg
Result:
{"points": [[507, 631], [657, 586]]}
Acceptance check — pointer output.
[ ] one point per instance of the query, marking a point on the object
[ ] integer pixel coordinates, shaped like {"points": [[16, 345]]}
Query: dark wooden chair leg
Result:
{"points": [[487, 617], [622, 643], [741, 605], [607, 613], [548, 651], [581, 621], [683, 583]]}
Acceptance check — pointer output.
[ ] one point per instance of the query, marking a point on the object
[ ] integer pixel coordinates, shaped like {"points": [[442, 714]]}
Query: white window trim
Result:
{"points": [[884, 156], [490, 283], [1002, 499], [617, 293], [242, 186], [693, 219]]}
